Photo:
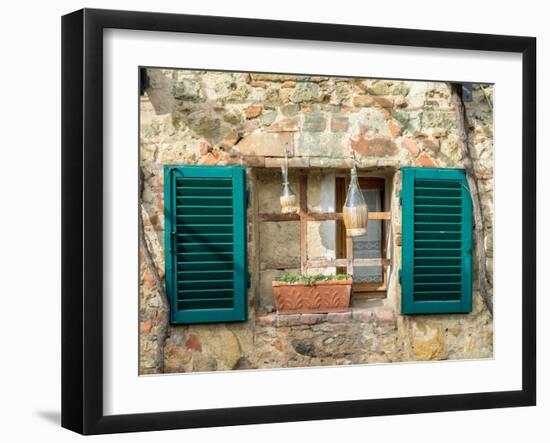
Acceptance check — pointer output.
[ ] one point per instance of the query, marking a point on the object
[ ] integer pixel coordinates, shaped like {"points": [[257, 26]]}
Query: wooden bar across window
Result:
{"points": [[303, 214], [293, 263], [329, 263], [316, 216]]}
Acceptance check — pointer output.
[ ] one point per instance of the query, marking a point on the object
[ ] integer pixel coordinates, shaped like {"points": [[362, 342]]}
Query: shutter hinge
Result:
{"points": [[401, 198], [399, 275], [248, 280]]}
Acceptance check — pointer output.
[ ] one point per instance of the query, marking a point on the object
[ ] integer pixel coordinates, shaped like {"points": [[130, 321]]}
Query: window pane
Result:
{"points": [[370, 245]]}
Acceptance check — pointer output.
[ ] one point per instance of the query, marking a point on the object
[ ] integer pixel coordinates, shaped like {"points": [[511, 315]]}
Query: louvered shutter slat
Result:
{"points": [[437, 241], [205, 221]]}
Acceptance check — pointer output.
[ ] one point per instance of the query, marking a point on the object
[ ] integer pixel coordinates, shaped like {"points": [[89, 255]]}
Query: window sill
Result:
{"points": [[378, 314]]}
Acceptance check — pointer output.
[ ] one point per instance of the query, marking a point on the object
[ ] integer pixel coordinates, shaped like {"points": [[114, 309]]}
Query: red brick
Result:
{"points": [[410, 145], [205, 147], [230, 140], [253, 111], [145, 326], [383, 102], [425, 161], [363, 100], [394, 129], [258, 84], [209, 159], [373, 147]]}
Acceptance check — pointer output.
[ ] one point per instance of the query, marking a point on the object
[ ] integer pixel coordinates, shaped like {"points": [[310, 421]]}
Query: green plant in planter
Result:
{"points": [[310, 279]]}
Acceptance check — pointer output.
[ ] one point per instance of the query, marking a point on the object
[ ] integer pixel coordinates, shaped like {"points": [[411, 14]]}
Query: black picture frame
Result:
{"points": [[82, 215]]}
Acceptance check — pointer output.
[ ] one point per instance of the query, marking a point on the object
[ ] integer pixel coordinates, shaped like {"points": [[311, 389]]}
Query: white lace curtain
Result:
{"points": [[370, 245]]}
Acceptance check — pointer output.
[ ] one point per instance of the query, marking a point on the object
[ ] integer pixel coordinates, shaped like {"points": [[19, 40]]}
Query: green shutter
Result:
{"points": [[205, 243], [436, 274]]}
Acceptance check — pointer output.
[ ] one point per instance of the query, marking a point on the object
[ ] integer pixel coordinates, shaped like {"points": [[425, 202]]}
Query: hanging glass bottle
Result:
{"points": [[288, 198], [355, 209]]}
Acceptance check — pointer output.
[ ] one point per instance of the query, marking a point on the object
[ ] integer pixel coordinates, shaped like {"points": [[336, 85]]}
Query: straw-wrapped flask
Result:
{"points": [[355, 209], [289, 203]]}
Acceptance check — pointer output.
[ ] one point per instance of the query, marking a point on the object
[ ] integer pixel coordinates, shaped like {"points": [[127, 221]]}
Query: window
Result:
{"points": [[436, 274], [366, 279], [205, 243]]}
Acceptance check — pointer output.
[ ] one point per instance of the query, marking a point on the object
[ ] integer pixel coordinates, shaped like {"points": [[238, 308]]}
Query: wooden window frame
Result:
{"points": [[344, 243], [304, 216]]}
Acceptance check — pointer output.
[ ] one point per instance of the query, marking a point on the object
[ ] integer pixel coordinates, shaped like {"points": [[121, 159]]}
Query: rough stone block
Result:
{"points": [[428, 341], [288, 320], [233, 116], [204, 123], [331, 162], [272, 144], [267, 319], [285, 125], [387, 87], [305, 92], [290, 110], [186, 89], [338, 317], [339, 123], [327, 144], [372, 121], [253, 160], [293, 162], [438, 119], [315, 122], [274, 77], [229, 140], [268, 117]]}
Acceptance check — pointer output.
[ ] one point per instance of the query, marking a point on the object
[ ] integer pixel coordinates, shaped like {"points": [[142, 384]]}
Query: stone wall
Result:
{"points": [[199, 117]]}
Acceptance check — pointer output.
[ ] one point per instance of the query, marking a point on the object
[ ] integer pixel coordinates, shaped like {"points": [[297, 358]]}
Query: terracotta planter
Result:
{"points": [[321, 297]]}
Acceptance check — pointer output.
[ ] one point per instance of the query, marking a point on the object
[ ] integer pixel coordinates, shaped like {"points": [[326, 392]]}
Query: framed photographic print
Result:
{"points": [[271, 221]]}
